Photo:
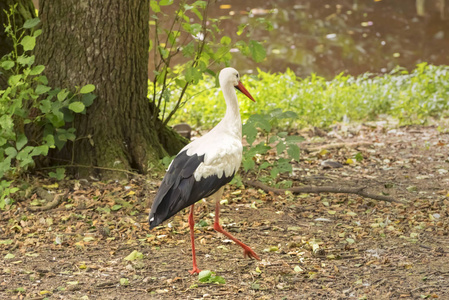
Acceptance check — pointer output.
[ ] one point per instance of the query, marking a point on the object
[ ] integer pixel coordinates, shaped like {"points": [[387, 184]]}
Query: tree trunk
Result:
{"points": [[24, 11], [104, 43]]}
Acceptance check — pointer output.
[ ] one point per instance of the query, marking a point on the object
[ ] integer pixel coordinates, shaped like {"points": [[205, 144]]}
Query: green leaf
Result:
{"points": [[7, 64], [88, 239], [30, 23], [197, 13], [37, 70], [260, 148], [172, 36], [274, 172], [258, 52], [28, 42], [248, 164], [241, 28], [49, 139], [189, 49], [293, 139], [37, 33], [124, 281], [88, 88], [21, 141], [264, 165], [26, 60], [225, 41], [293, 152], [166, 161], [135, 255], [218, 279], [116, 207], [59, 174], [280, 147], [20, 290], [165, 2], [11, 151], [163, 52], [88, 99], [42, 79], [14, 79], [200, 4], [243, 47], [273, 139], [154, 6], [204, 276], [62, 95], [250, 132], [77, 106], [24, 154], [289, 114], [181, 83], [209, 277], [192, 75], [40, 150], [41, 89]]}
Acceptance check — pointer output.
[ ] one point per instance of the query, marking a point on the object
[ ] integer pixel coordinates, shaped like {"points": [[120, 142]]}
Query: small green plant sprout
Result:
{"points": [[207, 276], [358, 157], [263, 137]]}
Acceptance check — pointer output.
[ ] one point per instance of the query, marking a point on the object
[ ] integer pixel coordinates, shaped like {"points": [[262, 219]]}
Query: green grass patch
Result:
{"points": [[410, 97]]}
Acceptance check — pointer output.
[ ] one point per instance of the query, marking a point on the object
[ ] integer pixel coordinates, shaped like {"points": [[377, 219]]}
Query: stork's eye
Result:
{"points": [[237, 75]]}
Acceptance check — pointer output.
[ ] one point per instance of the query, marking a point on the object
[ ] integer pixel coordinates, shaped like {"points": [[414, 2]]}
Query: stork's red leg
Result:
{"points": [[195, 269], [247, 251]]}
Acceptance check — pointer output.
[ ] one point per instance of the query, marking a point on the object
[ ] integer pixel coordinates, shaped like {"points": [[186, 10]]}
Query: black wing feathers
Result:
{"points": [[179, 189]]}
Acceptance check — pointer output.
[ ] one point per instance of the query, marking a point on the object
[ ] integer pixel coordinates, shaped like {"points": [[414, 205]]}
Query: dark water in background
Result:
{"points": [[328, 37], [352, 36]]}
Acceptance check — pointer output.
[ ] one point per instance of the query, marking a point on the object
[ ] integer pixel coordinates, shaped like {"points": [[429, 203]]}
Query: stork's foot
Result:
{"points": [[195, 270], [248, 252]]}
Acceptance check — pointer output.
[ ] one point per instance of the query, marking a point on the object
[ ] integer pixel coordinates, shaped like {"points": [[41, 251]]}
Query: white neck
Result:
{"points": [[231, 120]]}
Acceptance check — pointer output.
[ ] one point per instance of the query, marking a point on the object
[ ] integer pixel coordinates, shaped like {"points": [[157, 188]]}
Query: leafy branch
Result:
{"points": [[34, 117], [184, 50], [262, 136]]}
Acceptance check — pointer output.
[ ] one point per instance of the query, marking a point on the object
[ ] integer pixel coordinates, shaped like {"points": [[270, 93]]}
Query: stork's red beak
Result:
{"points": [[242, 89]]}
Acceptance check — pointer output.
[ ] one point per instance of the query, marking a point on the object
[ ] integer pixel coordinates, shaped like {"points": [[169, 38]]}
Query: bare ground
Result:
{"points": [[312, 246]]}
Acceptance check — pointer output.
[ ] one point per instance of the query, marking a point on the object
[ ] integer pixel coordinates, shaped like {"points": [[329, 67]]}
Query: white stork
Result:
{"points": [[204, 166]]}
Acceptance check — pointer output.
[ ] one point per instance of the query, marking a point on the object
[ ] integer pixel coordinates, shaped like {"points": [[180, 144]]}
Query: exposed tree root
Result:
{"points": [[321, 189]]}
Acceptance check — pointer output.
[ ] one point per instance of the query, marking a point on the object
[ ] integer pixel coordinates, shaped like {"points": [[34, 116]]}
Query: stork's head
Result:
{"points": [[231, 76]]}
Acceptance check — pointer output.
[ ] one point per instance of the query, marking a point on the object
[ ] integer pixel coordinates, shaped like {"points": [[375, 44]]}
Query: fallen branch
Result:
{"points": [[51, 204], [337, 146], [321, 189]]}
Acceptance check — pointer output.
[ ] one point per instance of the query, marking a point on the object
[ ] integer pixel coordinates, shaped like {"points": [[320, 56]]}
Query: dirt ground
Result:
{"points": [[312, 246]]}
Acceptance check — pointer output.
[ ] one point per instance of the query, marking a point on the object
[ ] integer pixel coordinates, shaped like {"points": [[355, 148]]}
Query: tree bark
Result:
{"points": [[104, 43]]}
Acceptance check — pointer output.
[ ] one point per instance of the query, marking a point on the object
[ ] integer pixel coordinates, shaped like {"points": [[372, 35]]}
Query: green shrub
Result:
{"points": [[33, 115], [411, 97], [262, 134]]}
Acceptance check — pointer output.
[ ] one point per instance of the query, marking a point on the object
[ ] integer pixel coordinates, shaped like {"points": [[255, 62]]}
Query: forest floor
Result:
{"points": [[96, 243]]}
